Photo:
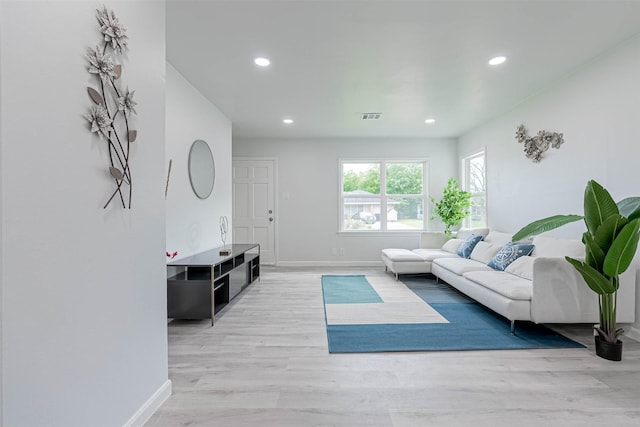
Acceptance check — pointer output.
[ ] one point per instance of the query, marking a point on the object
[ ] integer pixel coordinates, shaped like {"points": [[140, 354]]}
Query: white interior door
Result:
{"points": [[254, 216]]}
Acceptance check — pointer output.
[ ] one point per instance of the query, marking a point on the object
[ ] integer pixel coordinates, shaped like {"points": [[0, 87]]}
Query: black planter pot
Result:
{"points": [[609, 351]]}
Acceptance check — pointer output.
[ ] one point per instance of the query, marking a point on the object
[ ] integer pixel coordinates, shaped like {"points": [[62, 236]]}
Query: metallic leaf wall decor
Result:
{"points": [[113, 106], [534, 147]]}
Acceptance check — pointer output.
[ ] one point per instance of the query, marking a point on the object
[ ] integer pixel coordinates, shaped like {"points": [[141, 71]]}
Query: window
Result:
{"points": [[474, 180], [383, 195]]}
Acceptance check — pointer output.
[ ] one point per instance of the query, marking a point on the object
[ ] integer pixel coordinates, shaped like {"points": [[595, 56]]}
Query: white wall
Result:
{"points": [[307, 213], [597, 110], [1, 226], [84, 288], [193, 223]]}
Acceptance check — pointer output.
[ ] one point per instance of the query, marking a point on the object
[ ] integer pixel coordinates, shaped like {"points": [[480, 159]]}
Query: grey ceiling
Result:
{"points": [[333, 60]]}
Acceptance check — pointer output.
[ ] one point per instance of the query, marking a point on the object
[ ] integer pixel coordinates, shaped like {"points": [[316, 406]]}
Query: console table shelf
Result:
{"points": [[206, 282]]}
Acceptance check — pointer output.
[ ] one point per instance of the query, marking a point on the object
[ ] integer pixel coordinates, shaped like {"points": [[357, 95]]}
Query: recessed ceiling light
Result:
{"points": [[263, 62], [497, 60], [429, 121], [287, 121]]}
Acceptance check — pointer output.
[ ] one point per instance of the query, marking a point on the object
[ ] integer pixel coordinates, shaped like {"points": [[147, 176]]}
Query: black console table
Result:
{"points": [[207, 281]]}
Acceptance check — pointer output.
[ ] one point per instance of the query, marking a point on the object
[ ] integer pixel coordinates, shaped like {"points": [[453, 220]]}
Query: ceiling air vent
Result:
{"points": [[371, 116]]}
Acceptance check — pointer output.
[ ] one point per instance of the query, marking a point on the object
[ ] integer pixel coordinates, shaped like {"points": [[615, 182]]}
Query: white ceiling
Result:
{"points": [[410, 60]]}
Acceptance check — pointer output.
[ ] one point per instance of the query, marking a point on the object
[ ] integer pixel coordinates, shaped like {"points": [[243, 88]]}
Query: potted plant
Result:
{"points": [[610, 243], [453, 207]]}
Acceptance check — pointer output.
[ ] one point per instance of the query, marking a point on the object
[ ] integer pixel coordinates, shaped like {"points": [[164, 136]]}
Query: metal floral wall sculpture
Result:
{"points": [[534, 147], [113, 106]]}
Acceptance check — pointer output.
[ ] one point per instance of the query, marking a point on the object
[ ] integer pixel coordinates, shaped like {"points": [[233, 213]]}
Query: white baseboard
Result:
{"points": [[633, 333], [330, 264], [145, 412]]}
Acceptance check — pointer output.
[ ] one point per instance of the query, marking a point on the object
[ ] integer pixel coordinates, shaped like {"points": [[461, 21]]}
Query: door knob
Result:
{"points": [[270, 219]]}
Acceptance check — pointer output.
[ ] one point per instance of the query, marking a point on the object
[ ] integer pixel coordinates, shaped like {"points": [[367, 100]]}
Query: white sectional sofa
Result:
{"points": [[541, 287]]}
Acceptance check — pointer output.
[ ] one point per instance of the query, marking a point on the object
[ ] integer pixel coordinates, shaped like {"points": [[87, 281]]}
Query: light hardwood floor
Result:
{"points": [[265, 363]]}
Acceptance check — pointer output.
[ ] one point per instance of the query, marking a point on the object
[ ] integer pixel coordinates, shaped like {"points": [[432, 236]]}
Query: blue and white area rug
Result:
{"points": [[378, 313]]}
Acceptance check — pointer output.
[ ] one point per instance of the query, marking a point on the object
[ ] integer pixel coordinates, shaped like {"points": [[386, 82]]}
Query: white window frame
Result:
{"points": [[383, 162], [465, 174]]}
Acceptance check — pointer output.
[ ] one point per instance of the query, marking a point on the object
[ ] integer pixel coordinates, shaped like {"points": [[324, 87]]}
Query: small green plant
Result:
{"points": [[453, 207], [610, 243]]}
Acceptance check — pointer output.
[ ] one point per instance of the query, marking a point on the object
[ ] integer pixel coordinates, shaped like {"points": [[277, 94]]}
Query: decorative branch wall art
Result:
{"points": [[534, 147], [113, 106], [166, 188]]}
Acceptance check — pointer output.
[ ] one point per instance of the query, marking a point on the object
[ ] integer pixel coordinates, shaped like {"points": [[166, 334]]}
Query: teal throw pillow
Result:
{"points": [[509, 253], [467, 246]]}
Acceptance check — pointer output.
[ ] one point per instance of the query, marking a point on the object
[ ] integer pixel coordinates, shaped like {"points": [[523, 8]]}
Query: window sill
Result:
{"points": [[386, 233]]}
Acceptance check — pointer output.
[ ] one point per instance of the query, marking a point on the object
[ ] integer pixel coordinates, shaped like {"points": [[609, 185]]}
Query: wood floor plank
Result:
{"points": [[265, 363]]}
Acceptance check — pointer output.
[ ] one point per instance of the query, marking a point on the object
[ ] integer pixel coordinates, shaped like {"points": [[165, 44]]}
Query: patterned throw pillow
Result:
{"points": [[509, 253], [467, 246]]}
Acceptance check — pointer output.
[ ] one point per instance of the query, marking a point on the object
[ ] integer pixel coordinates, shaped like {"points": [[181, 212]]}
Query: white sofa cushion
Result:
{"points": [[461, 265], [484, 251], [463, 233], [522, 267], [505, 284], [552, 247], [431, 254], [498, 238], [452, 246], [401, 255]]}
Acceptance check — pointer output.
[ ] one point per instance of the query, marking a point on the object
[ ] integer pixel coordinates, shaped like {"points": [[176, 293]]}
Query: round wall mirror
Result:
{"points": [[202, 169]]}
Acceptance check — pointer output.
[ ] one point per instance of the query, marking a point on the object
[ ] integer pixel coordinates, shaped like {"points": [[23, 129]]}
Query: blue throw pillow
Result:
{"points": [[509, 253], [467, 246]]}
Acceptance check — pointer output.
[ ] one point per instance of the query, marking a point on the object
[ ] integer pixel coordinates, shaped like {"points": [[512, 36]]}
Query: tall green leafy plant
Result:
{"points": [[610, 243], [453, 207]]}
